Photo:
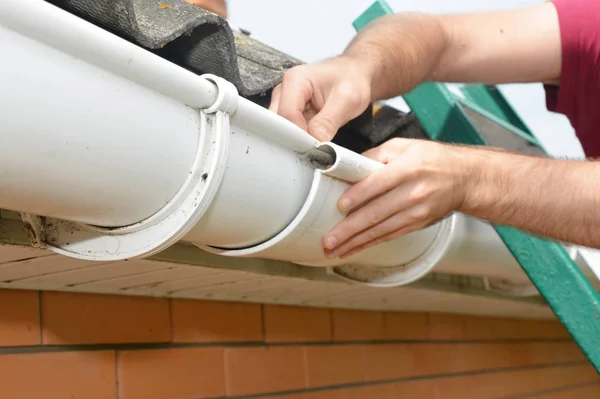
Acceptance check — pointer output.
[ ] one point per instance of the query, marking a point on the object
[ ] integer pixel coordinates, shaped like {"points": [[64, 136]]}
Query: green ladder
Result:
{"points": [[448, 117]]}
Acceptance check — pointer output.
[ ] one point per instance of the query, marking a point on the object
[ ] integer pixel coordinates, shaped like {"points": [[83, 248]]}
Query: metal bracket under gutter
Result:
{"points": [[550, 268]]}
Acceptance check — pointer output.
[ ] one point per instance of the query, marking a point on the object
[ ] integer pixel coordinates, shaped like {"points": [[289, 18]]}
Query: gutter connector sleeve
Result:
{"points": [[393, 263]]}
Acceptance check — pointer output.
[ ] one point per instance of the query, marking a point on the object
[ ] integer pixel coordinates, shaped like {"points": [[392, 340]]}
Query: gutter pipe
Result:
{"points": [[111, 152]]}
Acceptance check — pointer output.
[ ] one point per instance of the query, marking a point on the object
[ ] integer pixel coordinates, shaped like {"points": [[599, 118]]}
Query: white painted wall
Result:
{"points": [[316, 29]]}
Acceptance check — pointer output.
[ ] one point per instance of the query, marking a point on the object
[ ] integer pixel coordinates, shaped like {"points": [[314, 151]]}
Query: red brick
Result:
{"points": [[487, 328], [475, 386], [335, 365], [415, 389], [555, 352], [252, 371], [208, 321], [94, 319], [455, 358], [388, 362], [530, 381], [296, 324], [431, 359], [577, 374], [446, 327], [551, 329], [328, 394], [385, 391], [484, 356], [354, 325], [171, 373], [406, 326], [586, 392], [523, 382], [19, 318], [512, 383], [73, 375]]}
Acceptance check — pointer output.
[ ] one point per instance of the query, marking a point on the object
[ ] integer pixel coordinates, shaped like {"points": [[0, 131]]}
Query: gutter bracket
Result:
{"points": [[35, 226], [503, 287], [161, 230], [227, 95], [169, 224]]}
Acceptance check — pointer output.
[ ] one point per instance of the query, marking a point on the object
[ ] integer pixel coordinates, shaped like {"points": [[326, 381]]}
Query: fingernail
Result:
{"points": [[345, 204], [320, 131], [331, 242], [330, 255]]}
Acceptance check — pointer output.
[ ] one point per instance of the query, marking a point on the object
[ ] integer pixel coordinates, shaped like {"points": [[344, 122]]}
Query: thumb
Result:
{"points": [[341, 106]]}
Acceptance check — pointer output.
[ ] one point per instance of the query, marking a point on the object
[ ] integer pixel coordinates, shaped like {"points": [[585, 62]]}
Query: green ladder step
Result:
{"points": [[444, 116]]}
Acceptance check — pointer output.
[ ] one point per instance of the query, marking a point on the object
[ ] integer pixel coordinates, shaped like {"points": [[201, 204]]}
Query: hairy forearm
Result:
{"points": [[404, 50], [400, 51], [550, 197]]}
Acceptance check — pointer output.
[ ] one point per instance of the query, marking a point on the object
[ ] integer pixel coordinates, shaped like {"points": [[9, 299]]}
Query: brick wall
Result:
{"points": [[74, 346]]}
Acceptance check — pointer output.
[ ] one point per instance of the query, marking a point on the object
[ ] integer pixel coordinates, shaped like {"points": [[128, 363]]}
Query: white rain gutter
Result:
{"points": [[111, 152]]}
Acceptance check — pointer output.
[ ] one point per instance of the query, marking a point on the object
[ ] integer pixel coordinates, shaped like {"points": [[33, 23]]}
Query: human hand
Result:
{"points": [[218, 7], [422, 182], [322, 97]]}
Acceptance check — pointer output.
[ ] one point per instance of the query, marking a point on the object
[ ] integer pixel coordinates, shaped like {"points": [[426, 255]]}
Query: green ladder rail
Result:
{"points": [[447, 117], [491, 99]]}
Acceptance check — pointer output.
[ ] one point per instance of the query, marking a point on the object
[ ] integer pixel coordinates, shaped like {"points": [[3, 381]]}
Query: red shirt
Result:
{"points": [[578, 97]]}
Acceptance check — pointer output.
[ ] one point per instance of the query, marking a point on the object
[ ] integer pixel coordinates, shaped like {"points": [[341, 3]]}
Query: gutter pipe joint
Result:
{"points": [[169, 224]]}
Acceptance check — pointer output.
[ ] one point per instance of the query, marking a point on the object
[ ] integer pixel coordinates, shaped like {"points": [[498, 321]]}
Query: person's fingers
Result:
{"points": [[296, 91], [218, 7], [410, 228], [369, 217], [376, 184], [414, 216], [389, 225], [275, 96], [343, 104]]}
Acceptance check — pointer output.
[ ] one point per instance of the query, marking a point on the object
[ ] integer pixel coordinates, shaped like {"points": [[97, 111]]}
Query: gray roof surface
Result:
{"points": [[189, 36], [203, 42]]}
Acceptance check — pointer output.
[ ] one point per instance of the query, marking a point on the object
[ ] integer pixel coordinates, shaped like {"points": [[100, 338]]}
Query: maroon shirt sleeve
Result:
{"points": [[578, 96]]}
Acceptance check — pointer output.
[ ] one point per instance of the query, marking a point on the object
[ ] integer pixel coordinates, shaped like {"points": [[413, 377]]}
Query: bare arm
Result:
{"points": [[219, 7], [515, 46], [424, 181], [554, 198], [398, 52]]}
